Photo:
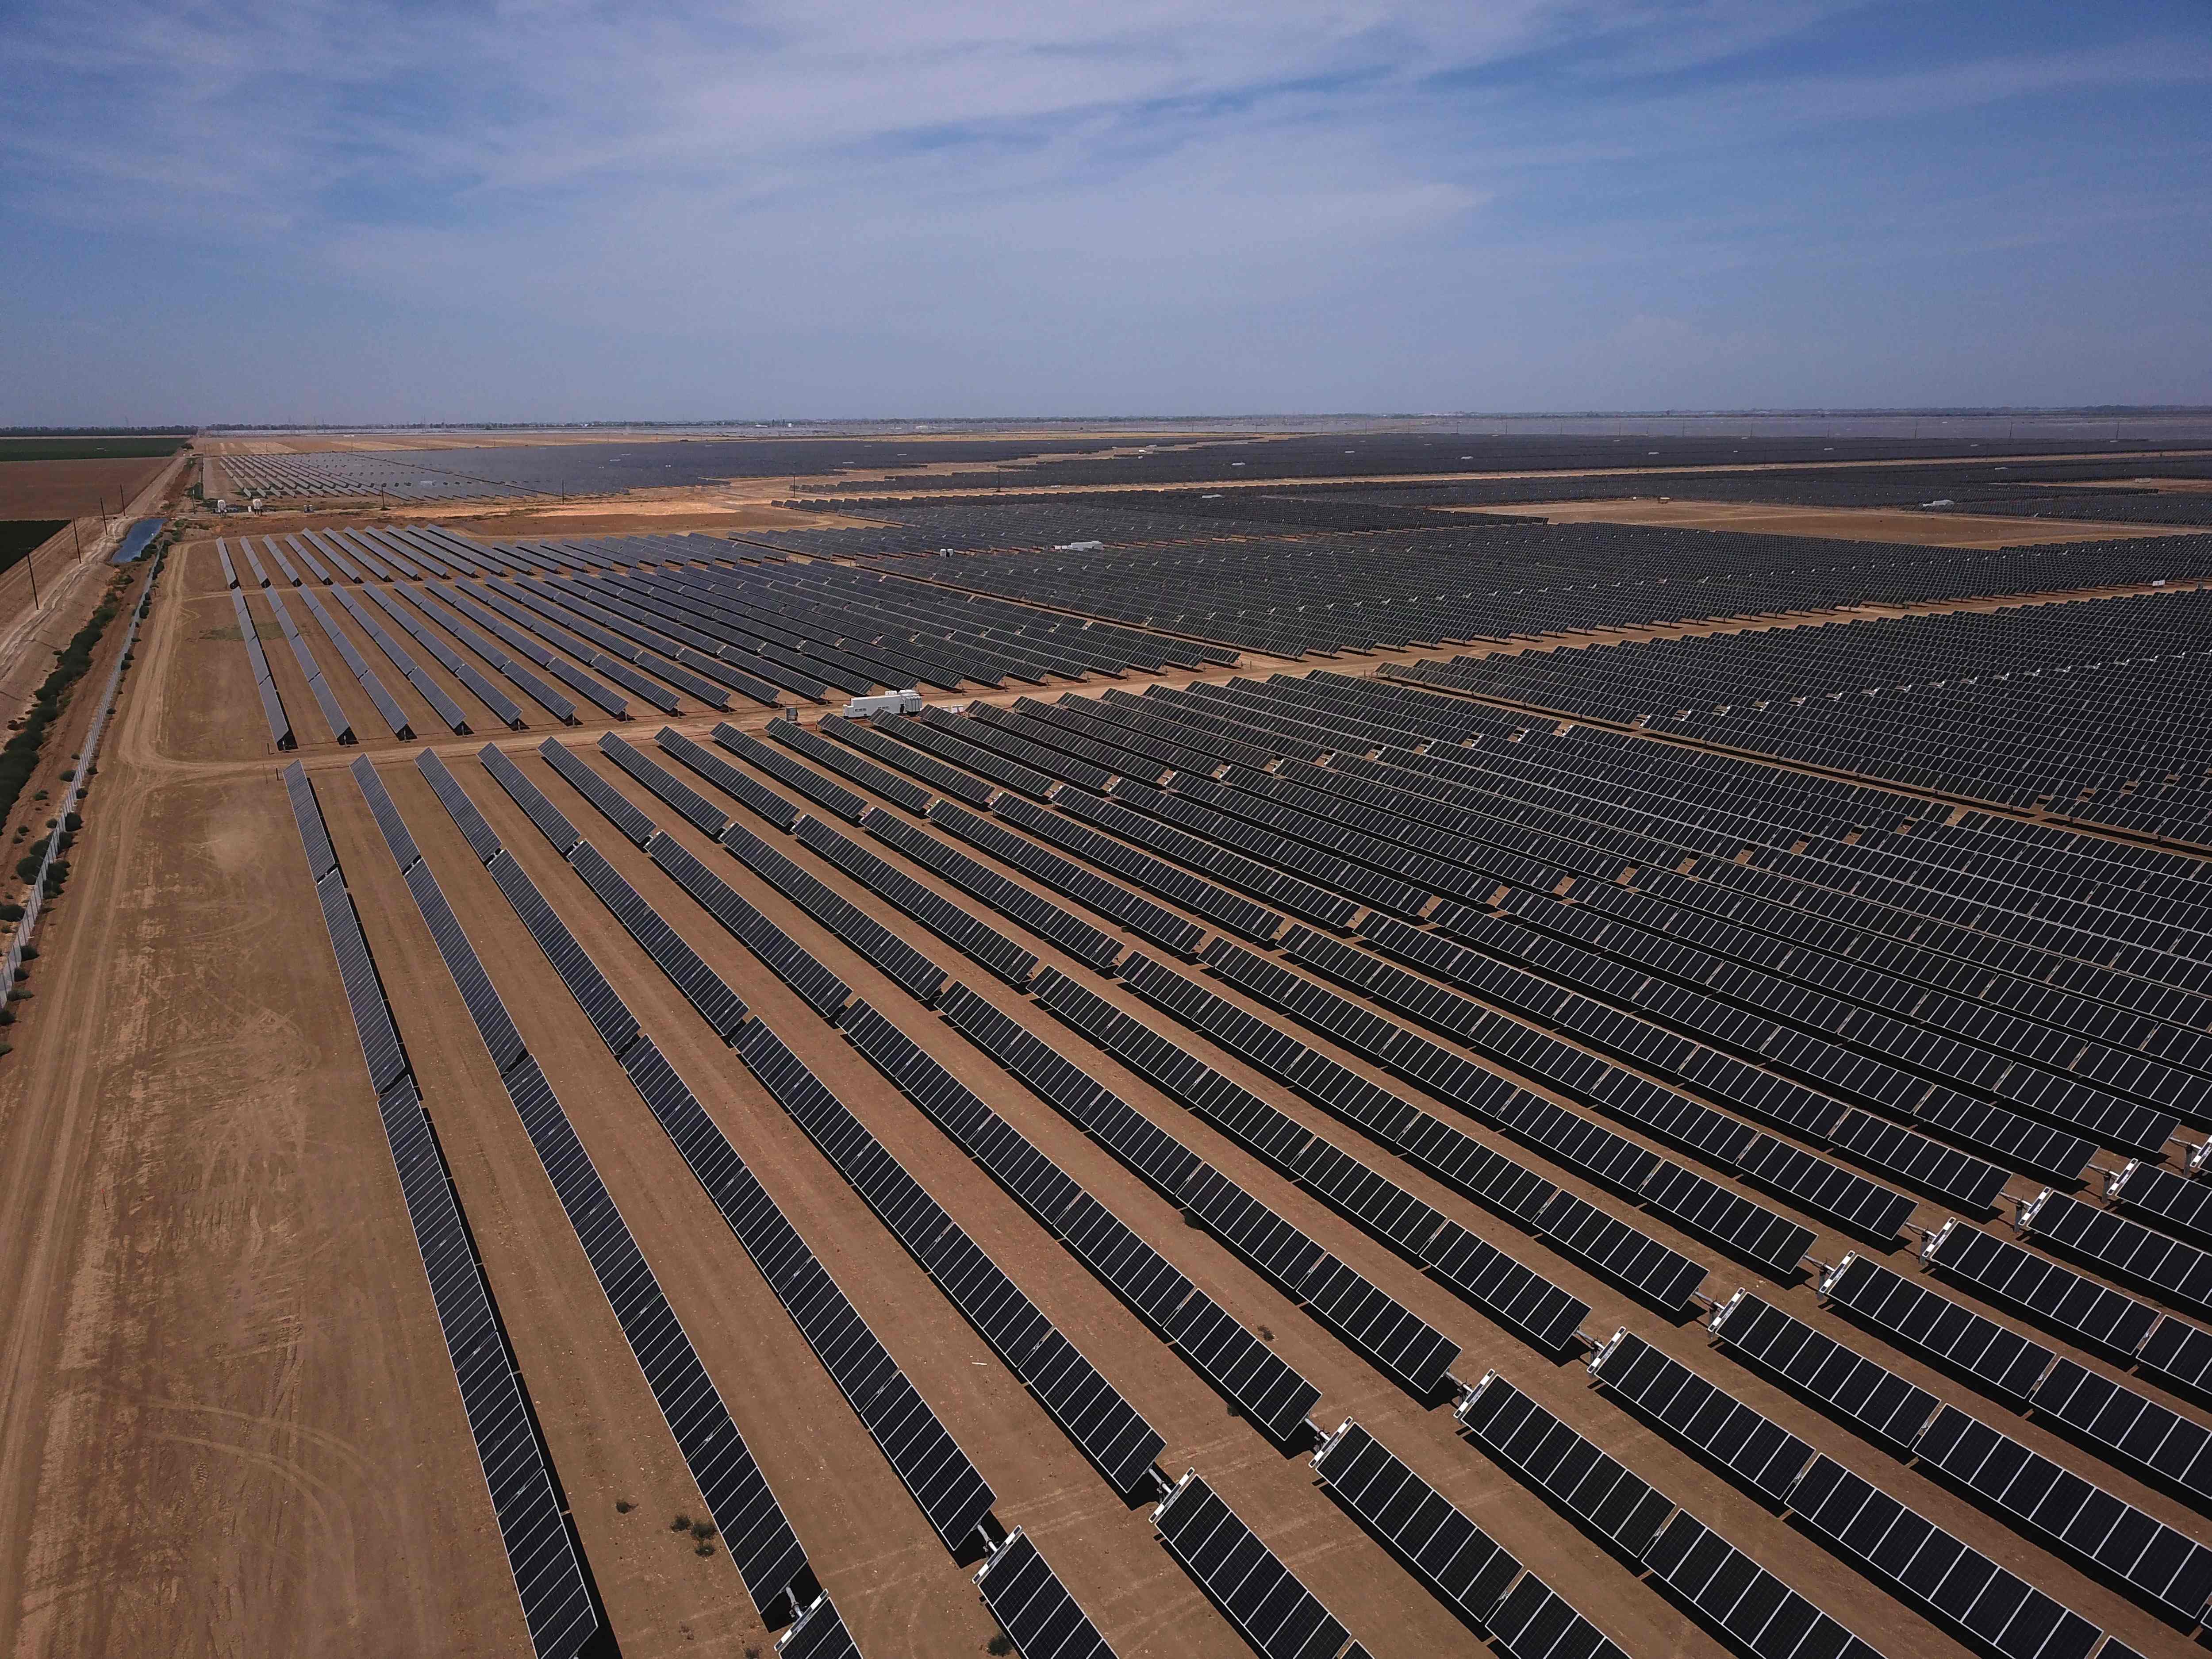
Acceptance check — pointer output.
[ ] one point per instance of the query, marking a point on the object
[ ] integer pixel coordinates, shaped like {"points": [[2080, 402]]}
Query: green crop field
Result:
{"points": [[60, 446]]}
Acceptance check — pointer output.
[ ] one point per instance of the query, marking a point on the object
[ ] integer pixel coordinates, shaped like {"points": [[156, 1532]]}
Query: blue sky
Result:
{"points": [[304, 209]]}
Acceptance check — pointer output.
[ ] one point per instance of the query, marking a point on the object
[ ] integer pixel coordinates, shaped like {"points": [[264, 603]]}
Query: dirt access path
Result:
{"points": [[200, 1453]]}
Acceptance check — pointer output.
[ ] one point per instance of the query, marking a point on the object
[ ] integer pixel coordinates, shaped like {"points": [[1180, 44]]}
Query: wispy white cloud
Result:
{"points": [[822, 199]]}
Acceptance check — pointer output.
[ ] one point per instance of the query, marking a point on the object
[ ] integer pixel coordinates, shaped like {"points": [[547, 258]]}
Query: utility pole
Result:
{"points": [[31, 563], [78, 539]]}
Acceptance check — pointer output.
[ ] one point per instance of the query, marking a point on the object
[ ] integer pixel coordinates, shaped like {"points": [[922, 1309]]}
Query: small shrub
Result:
{"points": [[70, 776], [1266, 1335], [27, 865], [999, 1643], [41, 795], [7, 1016], [681, 1523], [53, 823], [73, 821], [624, 1506], [30, 952], [702, 1530], [704, 1548], [6, 1048], [12, 912]]}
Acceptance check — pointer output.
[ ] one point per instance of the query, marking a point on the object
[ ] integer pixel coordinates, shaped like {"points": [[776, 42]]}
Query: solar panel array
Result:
{"points": [[550, 1576], [264, 682], [1702, 993], [759, 1539], [2093, 709]]}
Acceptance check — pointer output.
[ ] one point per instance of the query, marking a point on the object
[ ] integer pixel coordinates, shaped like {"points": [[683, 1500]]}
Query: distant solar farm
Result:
{"points": [[1096, 1074]]}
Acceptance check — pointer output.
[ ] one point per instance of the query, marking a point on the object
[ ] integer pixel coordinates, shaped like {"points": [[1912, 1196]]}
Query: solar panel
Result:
{"points": [[1758, 1450], [2170, 1569], [1536, 1622], [1922, 1563], [1494, 1281], [1665, 1277], [2057, 1295], [953, 1497], [943, 779], [892, 787], [1034, 1607], [1238, 1362], [1870, 1397], [611, 801], [549, 819], [315, 838], [2130, 1428], [610, 1017], [482, 839], [1140, 915], [1274, 1611], [1733, 1594], [1921, 1319], [1466, 1569], [790, 961], [781, 767], [2180, 1353], [906, 967], [1821, 1187], [1618, 1504], [949, 921], [694, 807], [721, 1006], [2178, 1205], [749, 793], [1918, 1161], [1062, 928], [372, 1017], [404, 853], [2125, 1248], [1102, 1425]]}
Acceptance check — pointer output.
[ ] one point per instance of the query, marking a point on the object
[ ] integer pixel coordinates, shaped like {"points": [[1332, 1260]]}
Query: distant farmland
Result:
{"points": [[65, 446]]}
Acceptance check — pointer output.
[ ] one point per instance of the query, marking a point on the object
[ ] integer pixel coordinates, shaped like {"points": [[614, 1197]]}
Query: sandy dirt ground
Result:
{"points": [[68, 490], [666, 513], [1844, 524], [201, 1454], [227, 1425]]}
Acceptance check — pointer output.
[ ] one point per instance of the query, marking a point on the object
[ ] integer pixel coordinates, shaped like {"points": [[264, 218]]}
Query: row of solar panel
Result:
{"points": [[944, 1484], [1500, 770], [1236, 1362], [1089, 1410], [1093, 1413], [264, 683], [762, 1544], [1912, 1556], [551, 1577], [1615, 975], [2160, 1564], [335, 717]]}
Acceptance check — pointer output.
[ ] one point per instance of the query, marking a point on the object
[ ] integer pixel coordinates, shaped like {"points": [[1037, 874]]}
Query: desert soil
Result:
{"points": [[1844, 524]]}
